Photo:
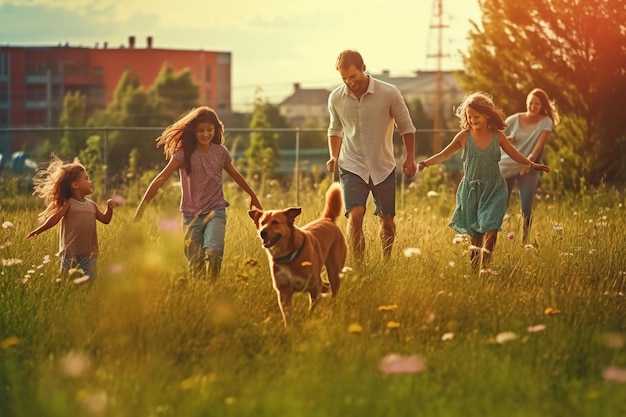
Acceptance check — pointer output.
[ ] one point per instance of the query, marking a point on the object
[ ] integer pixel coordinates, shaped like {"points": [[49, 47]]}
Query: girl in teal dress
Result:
{"points": [[482, 195]]}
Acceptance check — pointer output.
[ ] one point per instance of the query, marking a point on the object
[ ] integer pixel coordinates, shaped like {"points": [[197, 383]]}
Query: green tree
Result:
{"points": [[72, 115], [91, 158], [576, 51], [172, 94], [262, 154]]}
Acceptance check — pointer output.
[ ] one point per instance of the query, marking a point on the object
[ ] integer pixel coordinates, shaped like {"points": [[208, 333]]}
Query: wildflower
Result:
{"points": [[74, 364], [397, 364], [409, 252], [7, 225], [551, 310], [11, 261], [447, 336], [117, 199], [390, 307], [536, 328], [346, 270], [558, 227], [10, 341], [510, 236], [431, 194], [82, 279], [459, 238], [355, 328], [614, 374], [505, 337], [393, 325]]}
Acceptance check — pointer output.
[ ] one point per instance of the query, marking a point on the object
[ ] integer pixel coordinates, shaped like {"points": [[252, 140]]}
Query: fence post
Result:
{"points": [[297, 166], [106, 161]]}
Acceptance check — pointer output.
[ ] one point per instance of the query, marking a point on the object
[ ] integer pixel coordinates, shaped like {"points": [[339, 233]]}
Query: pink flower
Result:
{"points": [[510, 235], [82, 279], [614, 374], [397, 364]]}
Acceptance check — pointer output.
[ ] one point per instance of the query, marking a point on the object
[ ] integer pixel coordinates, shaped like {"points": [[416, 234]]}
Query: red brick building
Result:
{"points": [[35, 79]]}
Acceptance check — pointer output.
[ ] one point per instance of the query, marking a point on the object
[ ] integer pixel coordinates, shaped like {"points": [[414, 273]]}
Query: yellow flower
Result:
{"points": [[389, 307], [393, 324], [551, 310], [10, 341], [355, 328]]}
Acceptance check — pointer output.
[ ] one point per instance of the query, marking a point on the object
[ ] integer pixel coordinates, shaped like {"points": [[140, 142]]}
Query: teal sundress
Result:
{"points": [[481, 198]]}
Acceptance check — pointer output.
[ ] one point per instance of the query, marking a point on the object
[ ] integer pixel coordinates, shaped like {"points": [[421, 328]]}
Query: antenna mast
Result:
{"points": [[439, 27]]}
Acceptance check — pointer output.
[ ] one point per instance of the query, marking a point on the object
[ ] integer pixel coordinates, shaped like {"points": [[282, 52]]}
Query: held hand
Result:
{"points": [[409, 168], [511, 138], [111, 203], [525, 170], [331, 164], [421, 165], [32, 234], [539, 167], [254, 202]]}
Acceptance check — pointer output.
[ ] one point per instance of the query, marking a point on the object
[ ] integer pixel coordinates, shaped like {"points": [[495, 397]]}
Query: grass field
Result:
{"points": [[543, 333]]}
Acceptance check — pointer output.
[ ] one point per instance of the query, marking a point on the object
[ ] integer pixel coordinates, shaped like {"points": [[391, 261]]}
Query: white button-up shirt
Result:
{"points": [[366, 127]]}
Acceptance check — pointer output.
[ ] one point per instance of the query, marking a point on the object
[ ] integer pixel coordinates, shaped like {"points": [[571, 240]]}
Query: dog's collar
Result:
{"points": [[293, 255]]}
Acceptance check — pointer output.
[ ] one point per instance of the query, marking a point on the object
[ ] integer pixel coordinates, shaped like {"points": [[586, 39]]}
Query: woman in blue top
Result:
{"points": [[528, 132], [481, 197]]}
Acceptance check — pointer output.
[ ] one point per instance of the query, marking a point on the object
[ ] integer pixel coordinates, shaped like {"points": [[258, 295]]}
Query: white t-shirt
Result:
{"points": [[525, 139]]}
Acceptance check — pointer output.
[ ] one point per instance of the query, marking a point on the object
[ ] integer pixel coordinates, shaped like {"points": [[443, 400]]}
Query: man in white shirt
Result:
{"points": [[363, 114]]}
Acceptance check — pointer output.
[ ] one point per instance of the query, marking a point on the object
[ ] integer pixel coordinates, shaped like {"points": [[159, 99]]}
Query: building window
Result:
{"points": [[4, 93], [207, 74], [4, 64]]}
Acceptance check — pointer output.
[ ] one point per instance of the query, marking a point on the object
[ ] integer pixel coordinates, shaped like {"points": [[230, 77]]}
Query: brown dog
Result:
{"points": [[297, 254]]}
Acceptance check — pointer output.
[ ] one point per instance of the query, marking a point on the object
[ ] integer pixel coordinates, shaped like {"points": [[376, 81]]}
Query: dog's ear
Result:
{"points": [[255, 214], [292, 212]]}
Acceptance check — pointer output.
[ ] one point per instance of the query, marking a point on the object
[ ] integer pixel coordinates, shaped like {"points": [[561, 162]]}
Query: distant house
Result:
{"points": [[306, 107], [311, 105], [423, 87]]}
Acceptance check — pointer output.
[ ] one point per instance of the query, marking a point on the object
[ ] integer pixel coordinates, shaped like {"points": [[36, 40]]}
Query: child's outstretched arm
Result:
{"points": [[50, 221], [445, 154], [108, 214], [517, 156], [154, 186], [241, 182]]}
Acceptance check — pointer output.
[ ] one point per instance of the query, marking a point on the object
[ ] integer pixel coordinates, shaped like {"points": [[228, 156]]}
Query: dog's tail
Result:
{"points": [[334, 202]]}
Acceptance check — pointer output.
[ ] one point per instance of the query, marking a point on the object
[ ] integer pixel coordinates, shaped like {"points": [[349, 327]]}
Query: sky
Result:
{"points": [[273, 43]]}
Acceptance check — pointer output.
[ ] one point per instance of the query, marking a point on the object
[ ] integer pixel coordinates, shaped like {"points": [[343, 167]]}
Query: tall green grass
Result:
{"points": [[146, 340]]}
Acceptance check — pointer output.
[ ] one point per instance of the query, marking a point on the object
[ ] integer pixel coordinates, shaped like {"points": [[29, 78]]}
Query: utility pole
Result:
{"points": [[439, 26]]}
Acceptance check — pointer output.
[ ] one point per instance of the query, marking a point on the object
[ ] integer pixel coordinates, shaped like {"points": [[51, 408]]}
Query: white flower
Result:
{"points": [[409, 252], [505, 337]]}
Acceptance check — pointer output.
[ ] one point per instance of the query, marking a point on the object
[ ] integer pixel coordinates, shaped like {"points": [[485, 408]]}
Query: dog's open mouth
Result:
{"points": [[268, 243]]}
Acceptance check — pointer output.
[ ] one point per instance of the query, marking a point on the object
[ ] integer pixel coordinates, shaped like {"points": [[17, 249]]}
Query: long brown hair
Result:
{"points": [[182, 133], [548, 107]]}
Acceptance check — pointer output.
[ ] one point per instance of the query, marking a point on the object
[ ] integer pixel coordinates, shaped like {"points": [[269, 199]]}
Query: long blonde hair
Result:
{"points": [[53, 183], [483, 104]]}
